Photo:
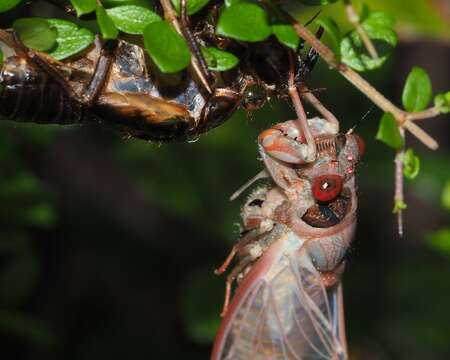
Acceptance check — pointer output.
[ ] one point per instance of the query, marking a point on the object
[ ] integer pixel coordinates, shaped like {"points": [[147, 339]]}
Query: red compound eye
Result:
{"points": [[327, 187], [361, 145]]}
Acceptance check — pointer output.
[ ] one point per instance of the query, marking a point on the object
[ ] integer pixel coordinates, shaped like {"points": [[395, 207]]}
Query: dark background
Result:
{"points": [[107, 246]]}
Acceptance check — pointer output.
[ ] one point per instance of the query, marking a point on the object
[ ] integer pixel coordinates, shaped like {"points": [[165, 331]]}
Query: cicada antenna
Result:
{"points": [[350, 131]]}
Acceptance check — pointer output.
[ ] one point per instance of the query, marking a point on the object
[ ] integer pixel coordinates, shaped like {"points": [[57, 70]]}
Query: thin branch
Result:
{"points": [[399, 197], [422, 115], [360, 83], [354, 19]]}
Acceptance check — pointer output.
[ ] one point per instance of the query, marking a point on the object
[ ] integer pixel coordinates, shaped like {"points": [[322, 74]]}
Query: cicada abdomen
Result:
{"points": [[297, 231], [28, 93]]}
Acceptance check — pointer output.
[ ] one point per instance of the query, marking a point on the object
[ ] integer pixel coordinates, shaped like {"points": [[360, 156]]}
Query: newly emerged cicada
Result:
{"points": [[296, 233]]}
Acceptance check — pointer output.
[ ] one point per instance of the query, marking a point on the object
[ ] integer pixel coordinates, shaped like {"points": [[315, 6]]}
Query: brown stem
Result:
{"points": [[360, 83], [354, 19], [399, 188], [422, 115]]}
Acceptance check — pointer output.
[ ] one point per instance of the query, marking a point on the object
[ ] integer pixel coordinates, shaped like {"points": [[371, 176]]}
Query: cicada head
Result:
{"points": [[331, 179]]}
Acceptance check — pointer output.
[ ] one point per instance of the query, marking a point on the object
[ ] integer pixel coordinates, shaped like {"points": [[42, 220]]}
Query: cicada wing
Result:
{"points": [[140, 105], [284, 314]]}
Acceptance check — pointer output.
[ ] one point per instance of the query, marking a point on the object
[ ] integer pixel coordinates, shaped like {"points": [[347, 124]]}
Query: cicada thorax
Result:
{"points": [[27, 93]]}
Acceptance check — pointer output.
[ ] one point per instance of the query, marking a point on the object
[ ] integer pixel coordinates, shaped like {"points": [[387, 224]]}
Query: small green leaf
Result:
{"points": [[411, 164], [286, 35], [333, 32], [228, 3], [70, 38], [6, 5], [442, 102], [417, 92], [105, 23], [1, 57], [388, 132], [193, 6], [132, 19], [379, 28], [399, 206], [244, 21], [445, 199], [35, 33], [219, 60], [84, 6], [317, 2], [112, 3], [166, 47], [440, 240]]}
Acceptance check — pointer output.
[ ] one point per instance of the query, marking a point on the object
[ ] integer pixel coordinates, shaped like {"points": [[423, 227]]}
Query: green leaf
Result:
{"points": [[445, 198], [166, 47], [193, 6], [244, 21], [317, 2], [70, 38], [442, 102], [411, 164], [379, 28], [112, 3], [417, 92], [132, 19], [6, 5], [84, 6], [35, 33], [228, 3], [105, 23], [1, 57], [219, 60], [399, 206], [333, 32], [440, 240], [286, 35], [388, 132]]}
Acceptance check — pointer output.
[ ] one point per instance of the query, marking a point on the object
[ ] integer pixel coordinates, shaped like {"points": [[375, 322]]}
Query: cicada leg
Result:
{"points": [[98, 79], [327, 114], [101, 72], [193, 45], [197, 61]]}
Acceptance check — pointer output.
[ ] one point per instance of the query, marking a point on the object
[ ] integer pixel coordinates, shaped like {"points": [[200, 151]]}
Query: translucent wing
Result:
{"points": [[282, 311]]}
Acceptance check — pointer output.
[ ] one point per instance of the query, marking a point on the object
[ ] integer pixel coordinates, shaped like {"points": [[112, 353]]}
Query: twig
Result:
{"points": [[399, 188], [354, 19], [403, 118]]}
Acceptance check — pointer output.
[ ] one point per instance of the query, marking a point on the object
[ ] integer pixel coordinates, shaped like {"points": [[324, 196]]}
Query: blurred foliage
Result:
{"points": [[414, 18], [108, 246], [25, 204]]}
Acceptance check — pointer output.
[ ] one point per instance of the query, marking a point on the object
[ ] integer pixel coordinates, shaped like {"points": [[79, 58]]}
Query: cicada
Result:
{"points": [[115, 83], [296, 233]]}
